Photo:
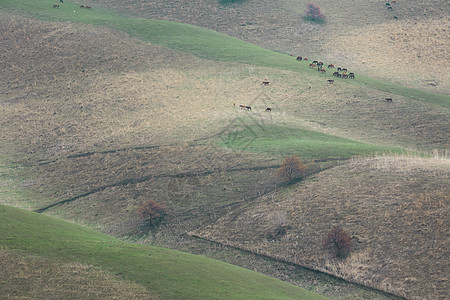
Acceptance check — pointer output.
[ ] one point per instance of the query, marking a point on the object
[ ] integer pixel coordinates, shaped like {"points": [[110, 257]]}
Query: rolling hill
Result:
{"points": [[165, 274], [101, 111]]}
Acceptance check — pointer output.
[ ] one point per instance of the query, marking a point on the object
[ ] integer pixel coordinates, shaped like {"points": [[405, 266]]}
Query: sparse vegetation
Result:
{"points": [[95, 121], [313, 12], [291, 167], [151, 212], [338, 242]]}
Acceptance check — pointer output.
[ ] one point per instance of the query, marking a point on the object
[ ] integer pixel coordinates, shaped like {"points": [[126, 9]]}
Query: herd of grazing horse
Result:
{"points": [[81, 6], [321, 68]]}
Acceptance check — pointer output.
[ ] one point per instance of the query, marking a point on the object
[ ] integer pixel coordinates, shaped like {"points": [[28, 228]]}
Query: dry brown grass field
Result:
{"points": [[395, 209], [95, 122], [362, 35], [29, 277]]}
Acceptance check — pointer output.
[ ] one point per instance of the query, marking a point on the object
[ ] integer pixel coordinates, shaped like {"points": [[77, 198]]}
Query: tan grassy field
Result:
{"points": [[395, 209], [362, 35], [98, 122], [29, 277]]}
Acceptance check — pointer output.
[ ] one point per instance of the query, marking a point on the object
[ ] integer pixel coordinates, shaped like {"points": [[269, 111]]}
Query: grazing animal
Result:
{"points": [[87, 6], [81, 6], [323, 71], [330, 81], [248, 108], [305, 59], [56, 6], [242, 106], [339, 69], [351, 75], [388, 99], [265, 82], [315, 62], [299, 58], [268, 109], [390, 7], [344, 76], [336, 73], [344, 70], [320, 63], [330, 66]]}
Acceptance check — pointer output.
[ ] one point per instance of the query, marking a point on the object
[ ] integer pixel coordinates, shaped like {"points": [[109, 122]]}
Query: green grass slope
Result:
{"points": [[198, 41], [312, 145], [169, 274], [32, 277]]}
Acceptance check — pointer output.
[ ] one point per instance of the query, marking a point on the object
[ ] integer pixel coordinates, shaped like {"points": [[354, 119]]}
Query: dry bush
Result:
{"points": [[338, 242], [313, 12], [291, 168], [151, 212]]}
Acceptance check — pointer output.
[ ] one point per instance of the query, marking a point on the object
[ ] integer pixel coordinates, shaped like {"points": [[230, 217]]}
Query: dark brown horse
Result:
{"points": [[330, 66], [330, 81], [388, 99], [299, 58], [351, 75], [268, 109], [265, 82]]}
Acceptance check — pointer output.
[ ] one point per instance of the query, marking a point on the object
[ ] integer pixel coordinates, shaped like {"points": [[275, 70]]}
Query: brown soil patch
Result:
{"points": [[396, 209]]}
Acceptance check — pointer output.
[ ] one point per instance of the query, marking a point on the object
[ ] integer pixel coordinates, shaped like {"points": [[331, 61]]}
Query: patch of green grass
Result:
{"points": [[199, 41], [170, 274], [311, 145]]}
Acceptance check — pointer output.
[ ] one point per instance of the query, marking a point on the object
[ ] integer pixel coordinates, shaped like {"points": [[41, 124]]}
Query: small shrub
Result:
{"points": [[313, 12], [292, 166], [151, 212], [338, 242], [277, 232]]}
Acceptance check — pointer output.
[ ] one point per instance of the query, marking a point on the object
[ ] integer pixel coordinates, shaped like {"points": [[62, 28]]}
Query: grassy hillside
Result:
{"points": [[100, 112], [312, 144], [394, 208], [362, 35], [168, 274], [26, 276], [198, 41]]}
